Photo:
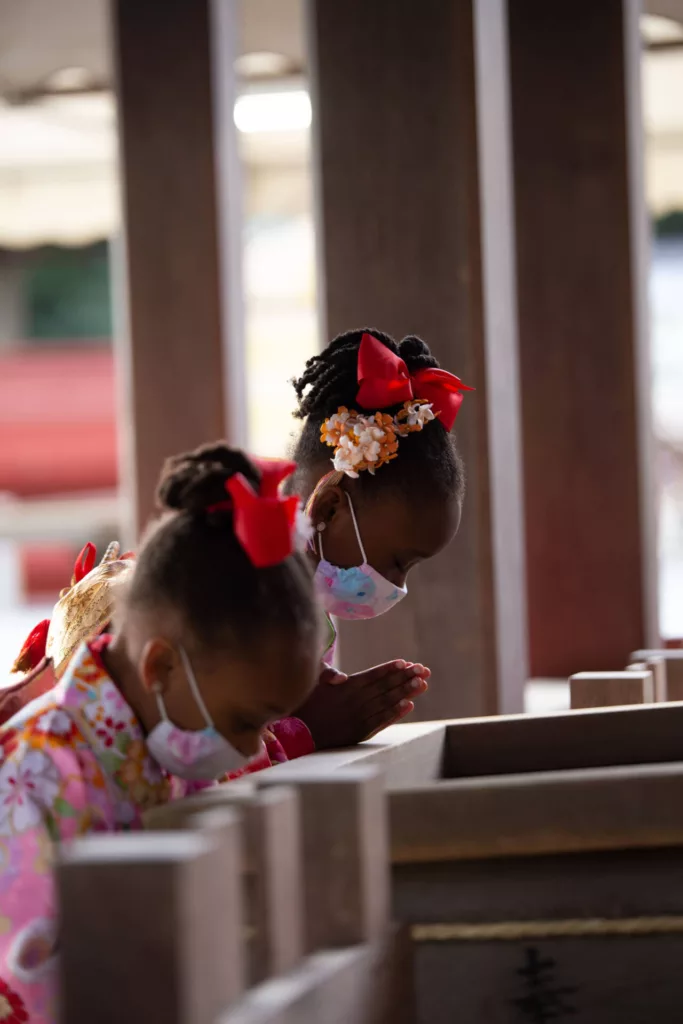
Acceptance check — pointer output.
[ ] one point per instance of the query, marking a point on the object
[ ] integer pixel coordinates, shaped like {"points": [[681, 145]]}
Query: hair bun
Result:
{"points": [[193, 481], [416, 354]]}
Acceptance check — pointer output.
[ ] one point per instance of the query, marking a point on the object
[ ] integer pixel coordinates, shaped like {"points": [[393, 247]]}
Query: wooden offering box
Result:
{"points": [[538, 862]]}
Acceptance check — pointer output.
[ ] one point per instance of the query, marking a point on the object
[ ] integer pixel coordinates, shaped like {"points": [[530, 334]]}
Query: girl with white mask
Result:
{"points": [[217, 635], [384, 485]]}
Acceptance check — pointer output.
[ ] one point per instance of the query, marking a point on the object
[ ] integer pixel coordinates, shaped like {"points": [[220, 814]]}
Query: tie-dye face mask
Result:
{"points": [[356, 593]]}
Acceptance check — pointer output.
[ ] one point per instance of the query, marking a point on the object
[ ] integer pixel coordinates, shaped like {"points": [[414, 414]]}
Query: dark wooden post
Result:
{"points": [[410, 110], [180, 348], [584, 378]]}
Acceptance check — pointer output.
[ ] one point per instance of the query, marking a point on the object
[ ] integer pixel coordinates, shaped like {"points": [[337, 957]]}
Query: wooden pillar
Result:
{"points": [[412, 162], [181, 340], [584, 375]]}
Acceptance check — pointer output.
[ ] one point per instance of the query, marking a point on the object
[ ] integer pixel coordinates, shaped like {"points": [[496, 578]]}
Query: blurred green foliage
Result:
{"points": [[67, 293]]}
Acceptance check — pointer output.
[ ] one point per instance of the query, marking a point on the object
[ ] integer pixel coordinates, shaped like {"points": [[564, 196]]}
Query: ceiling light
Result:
{"points": [[288, 111]]}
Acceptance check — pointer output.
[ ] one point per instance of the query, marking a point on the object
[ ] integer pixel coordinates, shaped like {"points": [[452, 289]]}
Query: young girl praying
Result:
{"points": [[217, 635], [383, 481]]}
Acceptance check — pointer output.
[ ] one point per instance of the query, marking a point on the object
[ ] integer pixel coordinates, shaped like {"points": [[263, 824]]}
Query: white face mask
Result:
{"points": [[356, 593], [193, 754]]}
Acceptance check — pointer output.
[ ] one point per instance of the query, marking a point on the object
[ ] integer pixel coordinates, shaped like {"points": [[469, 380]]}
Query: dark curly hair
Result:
{"points": [[426, 458], [192, 562]]}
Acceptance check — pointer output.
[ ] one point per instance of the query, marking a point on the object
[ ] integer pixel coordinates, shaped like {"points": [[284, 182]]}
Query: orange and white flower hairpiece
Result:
{"points": [[368, 442]]}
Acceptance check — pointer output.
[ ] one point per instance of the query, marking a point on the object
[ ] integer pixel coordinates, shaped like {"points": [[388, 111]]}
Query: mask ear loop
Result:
{"points": [[189, 672], [332, 479], [161, 705], [355, 526]]}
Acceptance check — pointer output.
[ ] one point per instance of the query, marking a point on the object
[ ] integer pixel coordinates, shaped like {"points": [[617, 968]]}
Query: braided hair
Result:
{"points": [[192, 562], [428, 458]]}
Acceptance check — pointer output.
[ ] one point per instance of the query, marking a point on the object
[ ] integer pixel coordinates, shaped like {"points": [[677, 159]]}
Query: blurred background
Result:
{"points": [[60, 225], [59, 222]]}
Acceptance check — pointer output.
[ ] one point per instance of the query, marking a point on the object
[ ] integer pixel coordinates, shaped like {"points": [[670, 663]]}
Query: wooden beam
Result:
{"points": [[179, 338], [410, 115], [539, 813], [580, 217]]}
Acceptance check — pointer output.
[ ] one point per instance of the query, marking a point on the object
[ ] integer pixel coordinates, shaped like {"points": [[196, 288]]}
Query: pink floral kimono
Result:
{"points": [[73, 761]]}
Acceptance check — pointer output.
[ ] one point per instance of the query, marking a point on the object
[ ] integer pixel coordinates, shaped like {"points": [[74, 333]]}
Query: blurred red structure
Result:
{"points": [[57, 437], [57, 422]]}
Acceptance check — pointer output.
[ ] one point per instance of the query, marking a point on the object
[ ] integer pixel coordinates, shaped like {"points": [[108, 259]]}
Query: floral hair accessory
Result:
{"points": [[83, 609], [368, 442]]}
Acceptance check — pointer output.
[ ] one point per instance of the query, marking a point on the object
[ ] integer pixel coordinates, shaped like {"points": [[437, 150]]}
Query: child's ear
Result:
{"points": [[327, 505], [157, 662]]}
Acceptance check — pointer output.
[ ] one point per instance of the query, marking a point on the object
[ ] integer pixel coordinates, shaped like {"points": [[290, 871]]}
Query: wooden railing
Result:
{"points": [[536, 873]]}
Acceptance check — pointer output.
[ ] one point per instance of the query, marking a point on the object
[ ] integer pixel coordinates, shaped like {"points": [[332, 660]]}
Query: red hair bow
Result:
{"points": [[384, 381], [264, 523]]}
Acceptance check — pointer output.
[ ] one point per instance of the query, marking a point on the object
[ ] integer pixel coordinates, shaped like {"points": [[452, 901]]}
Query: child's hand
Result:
{"points": [[344, 710]]}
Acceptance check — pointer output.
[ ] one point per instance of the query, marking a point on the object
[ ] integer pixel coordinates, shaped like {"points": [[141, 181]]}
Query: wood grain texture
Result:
{"points": [[657, 666], [578, 739], [165, 940], [366, 984], [345, 852], [272, 878], [407, 754], [173, 363], [539, 813], [398, 168], [578, 333], [611, 689], [606, 980], [674, 669]]}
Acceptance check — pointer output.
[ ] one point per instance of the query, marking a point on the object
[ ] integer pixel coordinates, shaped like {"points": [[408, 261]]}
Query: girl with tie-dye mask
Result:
{"points": [[384, 485]]}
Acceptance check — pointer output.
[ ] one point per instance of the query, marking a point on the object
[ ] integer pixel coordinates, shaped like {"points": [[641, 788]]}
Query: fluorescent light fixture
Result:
{"points": [[265, 112]]}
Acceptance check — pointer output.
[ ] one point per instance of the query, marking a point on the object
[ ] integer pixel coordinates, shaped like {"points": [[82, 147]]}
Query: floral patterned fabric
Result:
{"points": [[34, 684], [72, 761]]}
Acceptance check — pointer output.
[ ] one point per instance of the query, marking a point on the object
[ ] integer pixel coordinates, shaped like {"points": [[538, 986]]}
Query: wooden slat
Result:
{"points": [[543, 813], [657, 666], [272, 879], [365, 984], [345, 849], [611, 689], [578, 739], [151, 926], [407, 755], [674, 669]]}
